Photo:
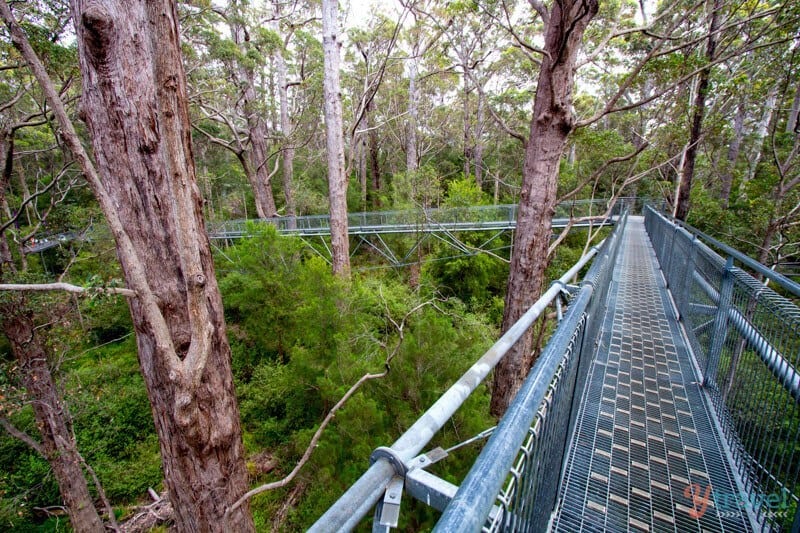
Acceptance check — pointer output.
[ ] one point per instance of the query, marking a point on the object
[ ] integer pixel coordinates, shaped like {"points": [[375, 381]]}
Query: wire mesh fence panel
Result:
{"points": [[746, 340]]}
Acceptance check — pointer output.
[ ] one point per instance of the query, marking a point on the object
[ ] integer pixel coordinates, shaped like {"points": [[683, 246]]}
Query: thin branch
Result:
{"points": [[22, 436], [67, 287], [602, 168], [33, 196]]}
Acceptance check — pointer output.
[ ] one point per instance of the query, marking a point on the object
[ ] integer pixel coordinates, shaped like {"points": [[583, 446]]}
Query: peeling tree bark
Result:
{"points": [[134, 104], [550, 125]]}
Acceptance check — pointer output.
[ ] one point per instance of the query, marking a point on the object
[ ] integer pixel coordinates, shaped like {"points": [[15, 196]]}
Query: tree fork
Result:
{"points": [[147, 190]]}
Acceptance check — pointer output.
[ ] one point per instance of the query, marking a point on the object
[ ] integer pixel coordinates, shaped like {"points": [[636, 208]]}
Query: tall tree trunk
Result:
{"points": [[467, 144], [6, 160], [412, 162], [791, 123], [550, 125], [135, 106], [762, 129], [58, 443], [337, 181], [361, 156], [766, 242], [479, 140], [726, 177], [374, 154], [687, 170], [256, 129], [287, 153], [257, 134]]}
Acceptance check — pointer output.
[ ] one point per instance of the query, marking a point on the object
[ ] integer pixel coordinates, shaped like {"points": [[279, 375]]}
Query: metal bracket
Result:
{"points": [[427, 459], [387, 512], [390, 509], [567, 289]]}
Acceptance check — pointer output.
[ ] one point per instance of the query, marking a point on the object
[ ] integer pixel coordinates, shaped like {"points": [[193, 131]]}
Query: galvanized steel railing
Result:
{"points": [[514, 481], [746, 340], [513, 484]]}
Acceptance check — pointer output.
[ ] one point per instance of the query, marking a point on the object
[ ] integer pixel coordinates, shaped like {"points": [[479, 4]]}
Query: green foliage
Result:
{"points": [[464, 192], [421, 188], [303, 339]]}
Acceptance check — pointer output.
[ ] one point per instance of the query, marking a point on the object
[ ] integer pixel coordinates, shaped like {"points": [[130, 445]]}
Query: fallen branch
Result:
{"points": [[149, 516]]}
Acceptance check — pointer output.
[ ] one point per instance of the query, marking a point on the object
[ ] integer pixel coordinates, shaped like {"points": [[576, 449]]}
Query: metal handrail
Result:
{"points": [[520, 466], [362, 496], [788, 284], [745, 338], [472, 217]]}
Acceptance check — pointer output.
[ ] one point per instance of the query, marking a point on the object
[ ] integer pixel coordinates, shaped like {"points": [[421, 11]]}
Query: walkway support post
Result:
{"points": [[720, 323]]}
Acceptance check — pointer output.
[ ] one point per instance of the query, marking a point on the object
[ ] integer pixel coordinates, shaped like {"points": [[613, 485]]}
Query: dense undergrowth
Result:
{"points": [[300, 339]]}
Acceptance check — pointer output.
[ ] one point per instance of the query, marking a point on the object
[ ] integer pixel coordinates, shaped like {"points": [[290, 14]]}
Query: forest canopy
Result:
{"points": [[125, 141]]}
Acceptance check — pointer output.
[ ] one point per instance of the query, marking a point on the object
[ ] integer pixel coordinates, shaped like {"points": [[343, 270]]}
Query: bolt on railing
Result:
{"points": [[746, 340], [399, 465]]}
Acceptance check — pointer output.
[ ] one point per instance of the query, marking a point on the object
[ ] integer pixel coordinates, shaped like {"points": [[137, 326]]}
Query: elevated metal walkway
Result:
{"points": [[396, 236], [667, 399], [646, 454]]}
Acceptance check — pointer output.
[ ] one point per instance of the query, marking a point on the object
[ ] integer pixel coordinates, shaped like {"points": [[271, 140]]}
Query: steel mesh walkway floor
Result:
{"points": [[644, 438]]}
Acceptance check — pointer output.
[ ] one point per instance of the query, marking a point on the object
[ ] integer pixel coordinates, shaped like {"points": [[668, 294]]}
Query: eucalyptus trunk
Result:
{"points": [[726, 176], [698, 114], [135, 106], [58, 444], [791, 123], [334, 134], [287, 153], [412, 161], [550, 125], [257, 153], [374, 154], [479, 117]]}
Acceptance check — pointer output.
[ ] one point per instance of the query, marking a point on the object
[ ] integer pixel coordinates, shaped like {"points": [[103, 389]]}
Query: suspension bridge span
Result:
{"points": [[667, 399]]}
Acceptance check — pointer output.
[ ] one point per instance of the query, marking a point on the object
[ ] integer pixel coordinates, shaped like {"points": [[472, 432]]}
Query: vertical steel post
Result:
{"points": [[668, 259], [720, 323], [683, 299]]}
